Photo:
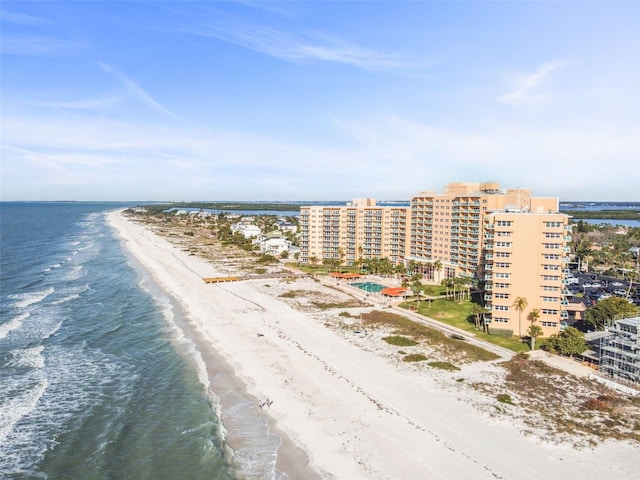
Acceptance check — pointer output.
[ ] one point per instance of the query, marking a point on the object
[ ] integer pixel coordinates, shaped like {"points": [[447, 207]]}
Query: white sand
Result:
{"points": [[355, 413]]}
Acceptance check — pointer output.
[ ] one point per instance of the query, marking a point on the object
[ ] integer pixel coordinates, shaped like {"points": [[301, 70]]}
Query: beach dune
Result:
{"points": [[347, 412]]}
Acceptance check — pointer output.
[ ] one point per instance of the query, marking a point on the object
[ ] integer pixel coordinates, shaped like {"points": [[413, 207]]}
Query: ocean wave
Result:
{"points": [[26, 299], [73, 296], [13, 324], [28, 357], [73, 383], [17, 406]]}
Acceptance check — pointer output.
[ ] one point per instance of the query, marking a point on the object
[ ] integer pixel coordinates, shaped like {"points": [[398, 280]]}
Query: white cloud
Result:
{"points": [[527, 89], [293, 46], [138, 92], [33, 45], [21, 18]]}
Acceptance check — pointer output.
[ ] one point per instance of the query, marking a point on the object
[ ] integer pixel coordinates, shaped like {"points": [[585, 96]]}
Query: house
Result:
{"points": [[273, 243], [246, 229]]}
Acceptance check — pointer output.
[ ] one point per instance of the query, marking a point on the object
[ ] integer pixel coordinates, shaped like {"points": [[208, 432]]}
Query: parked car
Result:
{"points": [[620, 292], [616, 284]]}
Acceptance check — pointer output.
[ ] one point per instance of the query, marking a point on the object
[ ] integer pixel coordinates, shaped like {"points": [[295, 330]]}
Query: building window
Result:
{"points": [[551, 278], [550, 299], [503, 308], [504, 223], [550, 324], [548, 311], [503, 234], [500, 320]]}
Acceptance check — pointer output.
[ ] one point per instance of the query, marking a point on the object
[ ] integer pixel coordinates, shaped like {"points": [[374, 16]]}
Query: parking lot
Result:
{"points": [[598, 287]]}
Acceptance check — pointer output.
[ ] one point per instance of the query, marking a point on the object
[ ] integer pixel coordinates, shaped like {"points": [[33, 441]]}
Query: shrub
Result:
{"points": [[414, 357], [444, 366], [505, 398], [344, 314], [400, 341]]}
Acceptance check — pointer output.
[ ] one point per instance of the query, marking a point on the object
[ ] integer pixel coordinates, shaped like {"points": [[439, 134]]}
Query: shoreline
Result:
{"points": [[349, 410], [291, 461]]}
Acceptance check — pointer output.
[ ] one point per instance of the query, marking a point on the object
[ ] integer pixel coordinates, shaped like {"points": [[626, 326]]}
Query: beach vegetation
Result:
{"points": [[403, 326], [400, 341], [290, 294], [450, 367], [504, 398], [414, 357], [578, 408], [266, 258], [344, 313]]}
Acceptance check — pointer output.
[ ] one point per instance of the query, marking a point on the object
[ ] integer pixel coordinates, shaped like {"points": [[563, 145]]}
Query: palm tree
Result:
{"points": [[416, 285], [437, 266], [520, 304], [633, 275], [534, 330]]}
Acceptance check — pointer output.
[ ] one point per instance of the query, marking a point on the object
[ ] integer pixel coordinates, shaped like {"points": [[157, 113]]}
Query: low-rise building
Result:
{"points": [[619, 351]]}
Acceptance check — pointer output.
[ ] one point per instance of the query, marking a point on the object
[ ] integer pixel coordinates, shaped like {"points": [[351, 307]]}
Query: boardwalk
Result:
{"points": [[240, 278]]}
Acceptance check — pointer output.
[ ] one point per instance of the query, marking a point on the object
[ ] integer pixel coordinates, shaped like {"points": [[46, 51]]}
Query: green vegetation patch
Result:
{"points": [[421, 333], [505, 398], [400, 341], [332, 305], [414, 357], [444, 366]]}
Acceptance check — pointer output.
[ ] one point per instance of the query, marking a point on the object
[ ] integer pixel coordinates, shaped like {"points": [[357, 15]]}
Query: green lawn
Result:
{"points": [[457, 314]]}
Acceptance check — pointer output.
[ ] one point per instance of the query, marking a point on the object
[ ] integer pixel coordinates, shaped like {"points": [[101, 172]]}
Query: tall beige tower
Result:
{"points": [[526, 255]]}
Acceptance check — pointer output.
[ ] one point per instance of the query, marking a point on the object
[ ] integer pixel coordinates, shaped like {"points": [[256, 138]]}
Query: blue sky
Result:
{"points": [[317, 100]]}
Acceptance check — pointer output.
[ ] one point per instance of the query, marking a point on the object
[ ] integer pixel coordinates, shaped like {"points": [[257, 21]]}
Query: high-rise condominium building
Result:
{"points": [[514, 244], [359, 230]]}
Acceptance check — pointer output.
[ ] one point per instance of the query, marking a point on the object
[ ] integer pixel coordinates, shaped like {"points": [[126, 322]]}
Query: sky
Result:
{"points": [[330, 100]]}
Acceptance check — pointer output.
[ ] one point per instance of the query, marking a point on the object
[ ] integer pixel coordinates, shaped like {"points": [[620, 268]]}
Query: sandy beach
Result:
{"points": [[347, 409]]}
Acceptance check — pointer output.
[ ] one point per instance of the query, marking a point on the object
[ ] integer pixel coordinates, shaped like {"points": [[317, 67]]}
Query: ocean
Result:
{"points": [[97, 380]]}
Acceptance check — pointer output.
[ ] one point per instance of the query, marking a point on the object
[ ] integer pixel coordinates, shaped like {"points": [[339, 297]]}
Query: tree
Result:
{"points": [[606, 311], [568, 342], [416, 285], [296, 256], [534, 331], [478, 314], [437, 266], [520, 304]]}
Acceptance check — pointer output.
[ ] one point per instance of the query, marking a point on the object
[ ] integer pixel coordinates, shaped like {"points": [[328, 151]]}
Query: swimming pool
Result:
{"points": [[369, 287]]}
